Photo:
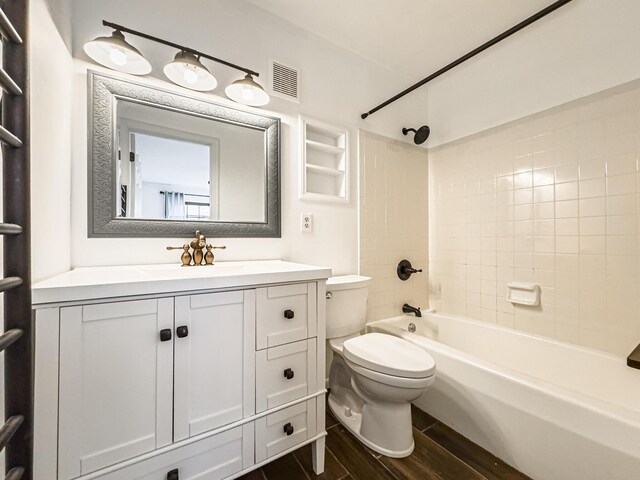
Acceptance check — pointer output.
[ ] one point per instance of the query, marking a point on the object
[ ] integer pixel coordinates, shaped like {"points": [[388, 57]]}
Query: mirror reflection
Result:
{"points": [[173, 165]]}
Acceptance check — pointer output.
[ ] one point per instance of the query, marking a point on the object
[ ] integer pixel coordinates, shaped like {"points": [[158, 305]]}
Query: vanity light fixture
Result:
{"points": [[185, 70], [116, 53], [247, 91]]}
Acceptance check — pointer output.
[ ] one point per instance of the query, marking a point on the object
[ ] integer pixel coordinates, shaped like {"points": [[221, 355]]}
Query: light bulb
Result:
{"points": [[190, 76], [117, 56], [247, 94]]}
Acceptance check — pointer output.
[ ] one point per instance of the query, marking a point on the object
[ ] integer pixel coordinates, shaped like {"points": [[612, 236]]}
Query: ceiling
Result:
{"points": [[414, 37]]}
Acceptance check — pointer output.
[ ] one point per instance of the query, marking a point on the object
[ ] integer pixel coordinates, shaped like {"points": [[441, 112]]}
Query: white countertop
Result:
{"points": [[89, 283]]}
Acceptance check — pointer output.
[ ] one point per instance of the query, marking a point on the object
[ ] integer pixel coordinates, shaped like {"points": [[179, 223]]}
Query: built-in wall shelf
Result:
{"points": [[325, 161], [324, 170]]}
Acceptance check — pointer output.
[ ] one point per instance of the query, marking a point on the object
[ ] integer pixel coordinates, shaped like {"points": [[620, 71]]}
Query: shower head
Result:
{"points": [[421, 134]]}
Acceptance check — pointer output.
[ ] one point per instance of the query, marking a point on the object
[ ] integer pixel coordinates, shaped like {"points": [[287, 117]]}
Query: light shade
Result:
{"points": [[187, 71], [248, 92], [114, 52]]}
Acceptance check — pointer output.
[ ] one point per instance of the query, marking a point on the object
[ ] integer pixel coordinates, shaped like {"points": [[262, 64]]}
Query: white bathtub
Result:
{"points": [[553, 410]]}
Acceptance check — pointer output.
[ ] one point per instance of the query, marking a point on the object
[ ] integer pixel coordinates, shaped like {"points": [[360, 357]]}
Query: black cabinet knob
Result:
{"points": [[288, 374], [182, 331], [288, 429], [288, 314], [165, 335], [173, 475]]}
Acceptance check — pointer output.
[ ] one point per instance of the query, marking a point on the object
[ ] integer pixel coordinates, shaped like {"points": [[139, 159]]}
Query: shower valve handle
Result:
{"points": [[405, 270]]}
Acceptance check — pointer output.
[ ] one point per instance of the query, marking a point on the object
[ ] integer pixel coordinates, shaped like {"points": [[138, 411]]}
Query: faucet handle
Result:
{"points": [[186, 256], [208, 257]]}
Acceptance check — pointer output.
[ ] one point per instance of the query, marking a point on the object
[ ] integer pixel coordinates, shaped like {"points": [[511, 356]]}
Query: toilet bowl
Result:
{"points": [[373, 377]]}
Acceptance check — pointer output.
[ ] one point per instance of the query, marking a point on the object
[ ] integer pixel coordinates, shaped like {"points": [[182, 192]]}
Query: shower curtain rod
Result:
{"points": [[533, 18]]}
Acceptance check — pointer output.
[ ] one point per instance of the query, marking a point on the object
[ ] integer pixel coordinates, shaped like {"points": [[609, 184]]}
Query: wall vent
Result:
{"points": [[284, 81]]}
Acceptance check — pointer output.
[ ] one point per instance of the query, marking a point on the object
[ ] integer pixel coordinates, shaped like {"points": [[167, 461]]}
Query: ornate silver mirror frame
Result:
{"points": [[104, 91]]}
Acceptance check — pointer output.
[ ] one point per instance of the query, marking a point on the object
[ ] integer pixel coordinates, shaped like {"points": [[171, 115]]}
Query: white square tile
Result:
{"points": [[622, 225], [567, 191], [595, 168], [621, 184], [593, 207], [567, 226], [592, 226], [622, 205], [566, 209], [566, 173], [523, 180], [622, 164], [543, 177], [593, 245], [596, 187]]}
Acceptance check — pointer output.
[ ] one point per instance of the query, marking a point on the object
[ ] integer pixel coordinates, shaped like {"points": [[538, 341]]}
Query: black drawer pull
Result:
{"points": [[173, 475], [288, 374], [288, 314], [182, 331], [165, 335], [288, 429]]}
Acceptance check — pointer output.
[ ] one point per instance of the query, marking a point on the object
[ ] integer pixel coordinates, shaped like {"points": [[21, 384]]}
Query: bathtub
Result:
{"points": [[553, 410]]}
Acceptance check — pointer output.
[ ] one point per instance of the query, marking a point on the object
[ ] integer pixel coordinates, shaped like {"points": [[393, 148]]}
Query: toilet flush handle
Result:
{"points": [[328, 295]]}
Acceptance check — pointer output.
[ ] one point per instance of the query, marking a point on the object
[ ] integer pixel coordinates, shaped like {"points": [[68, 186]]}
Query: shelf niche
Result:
{"points": [[325, 161]]}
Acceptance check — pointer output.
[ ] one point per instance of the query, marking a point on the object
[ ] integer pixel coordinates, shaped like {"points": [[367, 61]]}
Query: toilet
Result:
{"points": [[374, 377]]}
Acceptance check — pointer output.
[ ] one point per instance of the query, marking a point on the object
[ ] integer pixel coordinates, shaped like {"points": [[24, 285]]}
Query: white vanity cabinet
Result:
{"points": [[204, 383], [116, 378], [214, 357]]}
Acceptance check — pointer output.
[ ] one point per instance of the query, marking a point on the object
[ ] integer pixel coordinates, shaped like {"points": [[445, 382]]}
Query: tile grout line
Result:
{"points": [[430, 426], [337, 460], [452, 454], [295, 457], [377, 459]]}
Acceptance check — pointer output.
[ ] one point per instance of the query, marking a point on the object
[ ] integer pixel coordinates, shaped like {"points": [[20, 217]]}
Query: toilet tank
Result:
{"points": [[346, 305]]}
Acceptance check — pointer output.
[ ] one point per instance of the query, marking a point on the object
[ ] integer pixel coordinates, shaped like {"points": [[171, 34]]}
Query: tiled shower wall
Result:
{"points": [[553, 199], [393, 223]]}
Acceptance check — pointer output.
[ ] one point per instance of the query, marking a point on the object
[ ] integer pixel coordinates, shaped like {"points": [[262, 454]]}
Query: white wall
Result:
{"points": [[584, 47], [51, 92], [336, 86]]}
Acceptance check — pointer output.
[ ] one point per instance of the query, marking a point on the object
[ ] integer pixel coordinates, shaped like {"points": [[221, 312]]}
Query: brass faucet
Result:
{"points": [[198, 244]]}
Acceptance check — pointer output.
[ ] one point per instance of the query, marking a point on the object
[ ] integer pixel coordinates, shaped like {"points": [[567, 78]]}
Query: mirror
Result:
{"points": [[165, 165]]}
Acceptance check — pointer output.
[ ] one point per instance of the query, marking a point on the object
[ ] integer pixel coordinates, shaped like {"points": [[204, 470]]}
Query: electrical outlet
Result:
{"points": [[306, 222]]}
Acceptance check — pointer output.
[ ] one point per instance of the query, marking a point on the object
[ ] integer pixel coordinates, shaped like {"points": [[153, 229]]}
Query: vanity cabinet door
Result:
{"points": [[116, 377], [214, 361]]}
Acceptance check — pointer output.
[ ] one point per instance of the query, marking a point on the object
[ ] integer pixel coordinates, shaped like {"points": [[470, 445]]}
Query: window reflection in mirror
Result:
{"points": [[177, 166]]}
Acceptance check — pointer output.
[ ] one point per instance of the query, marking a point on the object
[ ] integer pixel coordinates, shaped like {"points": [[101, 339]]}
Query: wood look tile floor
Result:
{"points": [[440, 454]]}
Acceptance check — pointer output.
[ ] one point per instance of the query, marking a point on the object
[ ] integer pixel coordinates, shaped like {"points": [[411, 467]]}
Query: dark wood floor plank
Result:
{"points": [[354, 456], [421, 420], [333, 470], [473, 455], [283, 468], [253, 475], [330, 420], [429, 461]]}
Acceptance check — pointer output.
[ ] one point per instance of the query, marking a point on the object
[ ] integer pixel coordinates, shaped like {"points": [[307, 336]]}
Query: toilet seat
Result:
{"points": [[391, 380], [389, 356]]}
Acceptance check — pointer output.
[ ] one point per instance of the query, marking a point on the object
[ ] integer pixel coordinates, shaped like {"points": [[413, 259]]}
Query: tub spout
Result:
{"points": [[406, 308]]}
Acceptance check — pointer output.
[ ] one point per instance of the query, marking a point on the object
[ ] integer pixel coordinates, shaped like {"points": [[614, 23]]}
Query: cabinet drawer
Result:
{"points": [[285, 373], [285, 429], [285, 314], [213, 458]]}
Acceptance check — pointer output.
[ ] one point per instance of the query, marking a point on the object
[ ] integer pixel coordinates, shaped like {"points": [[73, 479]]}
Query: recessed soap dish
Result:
{"points": [[522, 293]]}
